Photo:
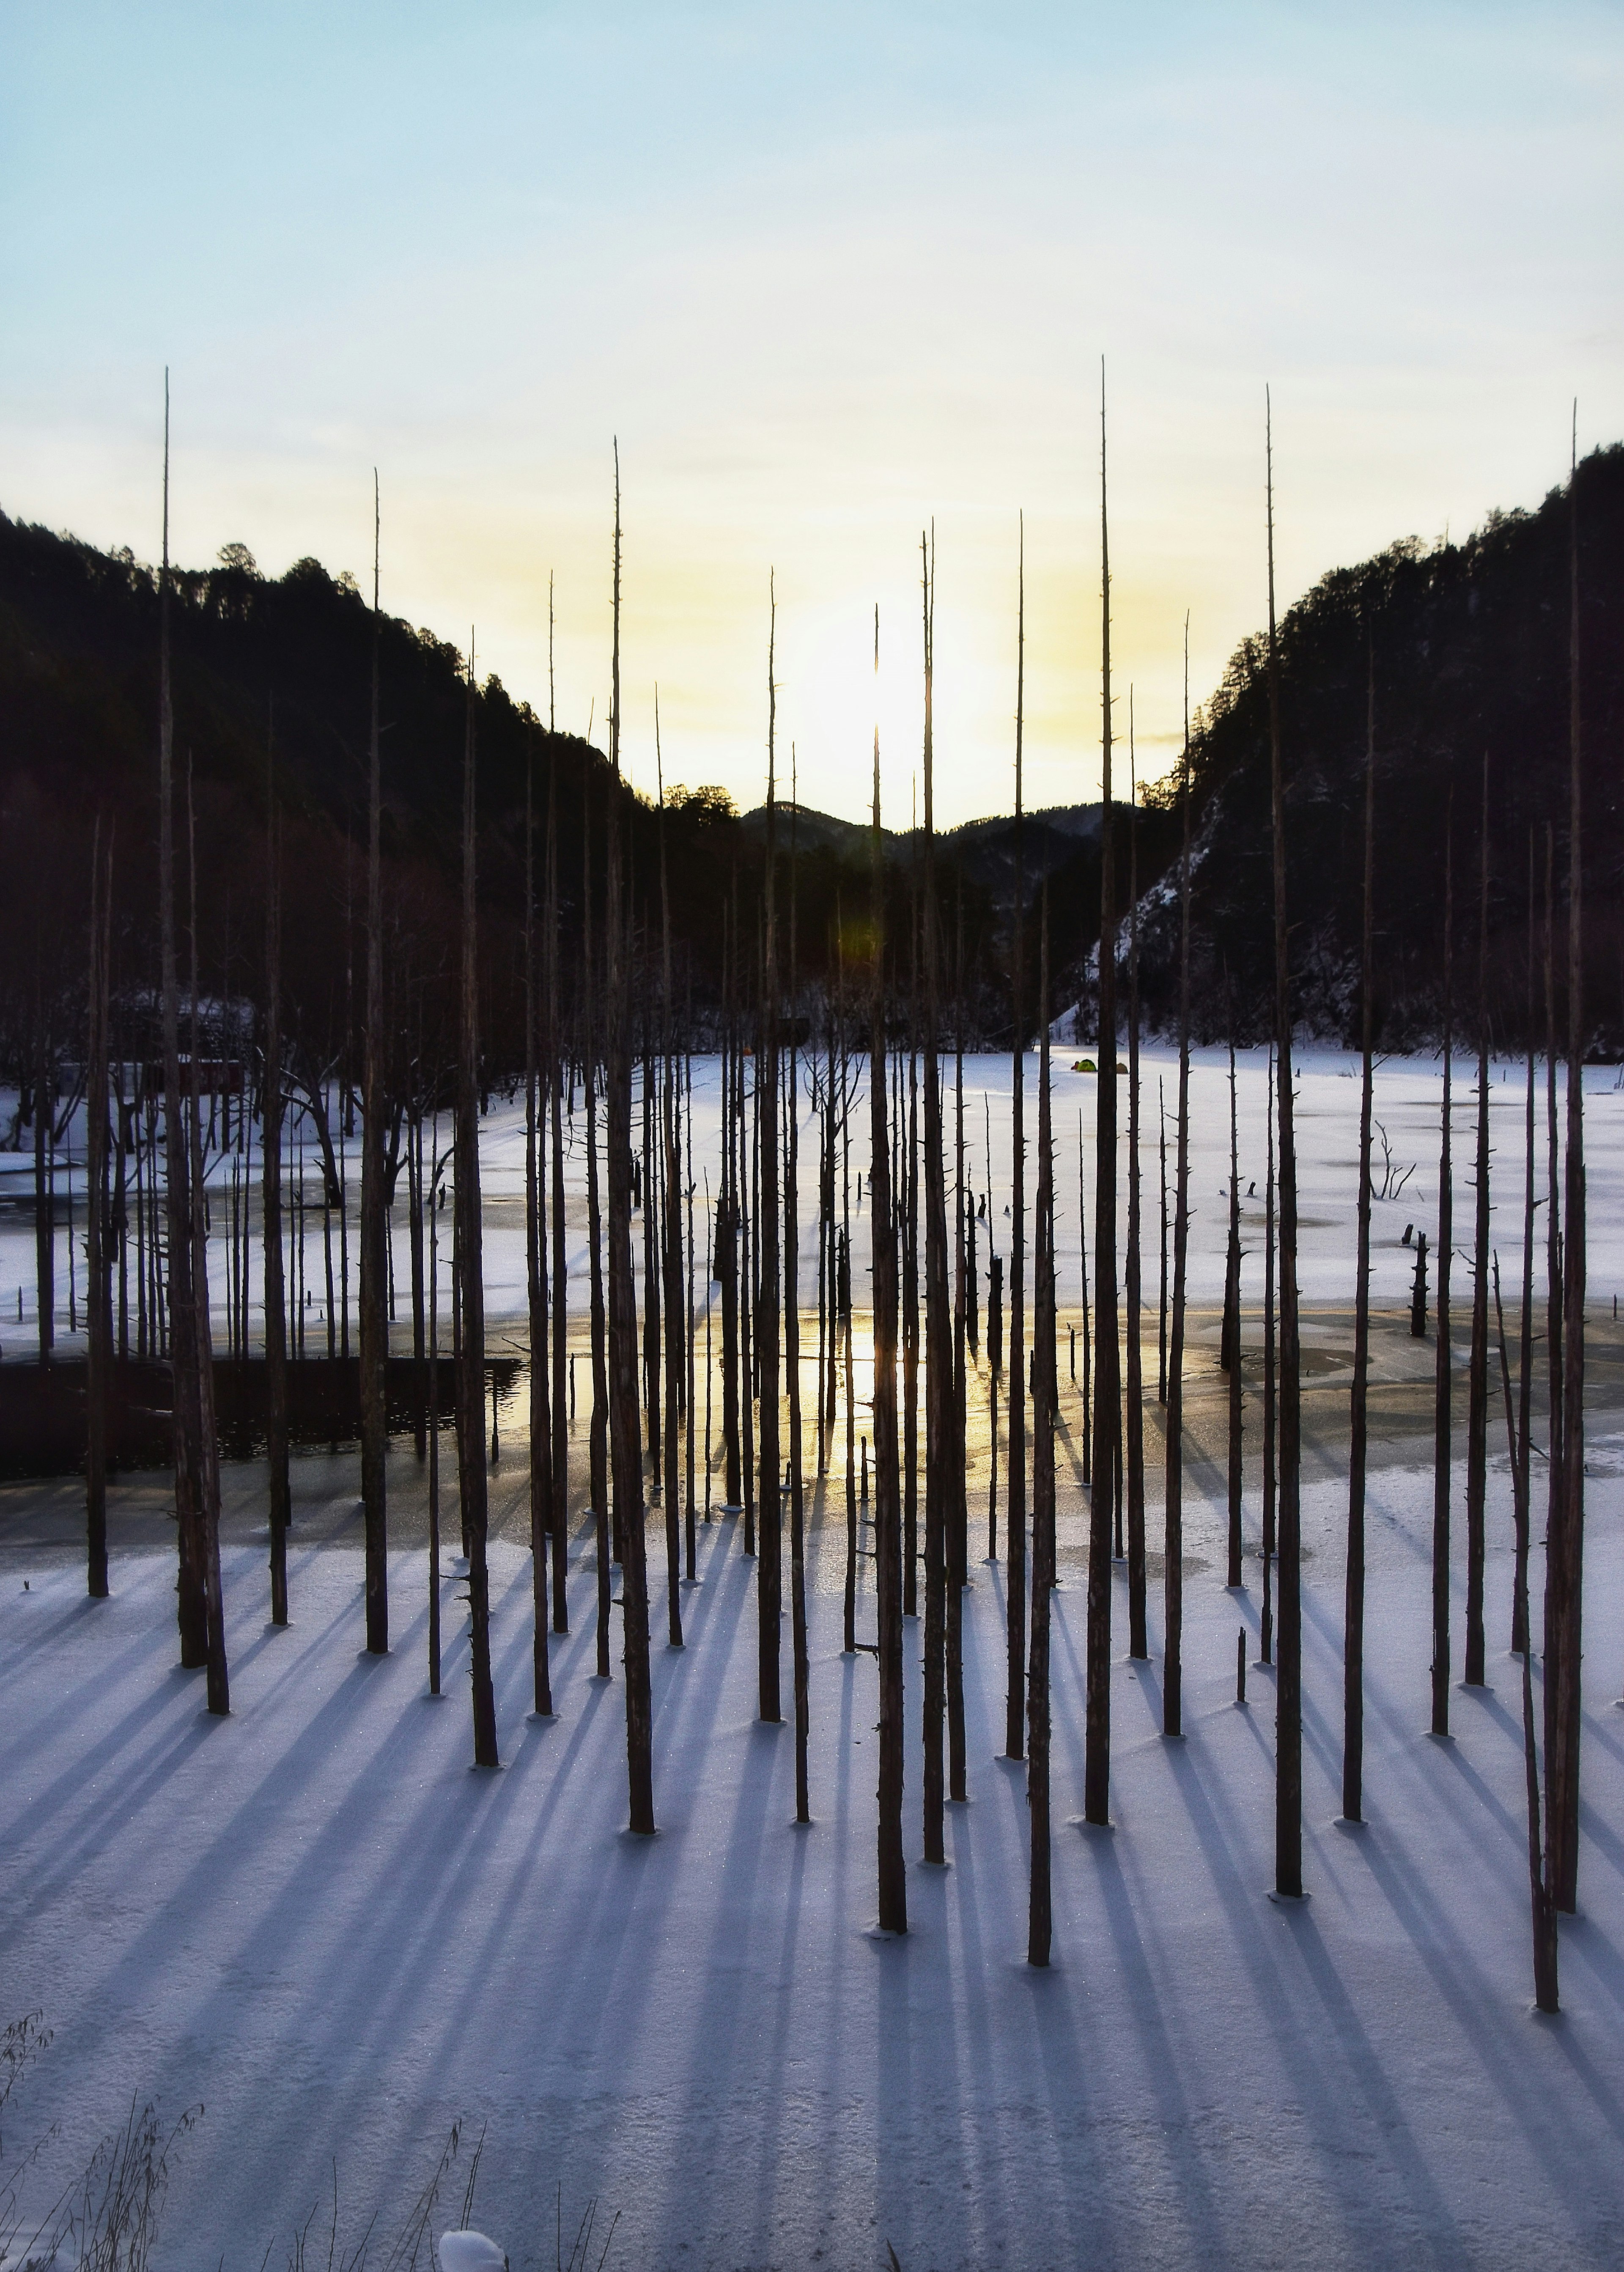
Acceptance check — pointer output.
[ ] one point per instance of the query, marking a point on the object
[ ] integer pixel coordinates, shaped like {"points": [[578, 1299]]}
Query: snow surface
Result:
{"points": [[1408, 1102], [319, 1920]]}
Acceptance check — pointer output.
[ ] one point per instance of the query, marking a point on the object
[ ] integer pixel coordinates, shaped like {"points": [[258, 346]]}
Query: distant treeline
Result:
{"points": [[1468, 643]]}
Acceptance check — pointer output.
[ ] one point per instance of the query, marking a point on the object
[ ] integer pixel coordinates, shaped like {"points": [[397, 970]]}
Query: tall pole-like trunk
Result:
{"points": [[374, 1349], [209, 1438], [937, 1314], [671, 1252], [557, 1412], [769, 1569], [471, 1283], [1229, 1353], [958, 1544], [1521, 1470], [597, 1443], [1562, 1756], [192, 1607], [1014, 1709], [98, 1301], [1441, 1447], [1270, 1372], [1289, 1725], [44, 1193], [1039, 1908], [1478, 1405], [1172, 1581], [624, 1453], [893, 1873], [1353, 1596], [1107, 1377], [542, 1513], [1138, 1644]]}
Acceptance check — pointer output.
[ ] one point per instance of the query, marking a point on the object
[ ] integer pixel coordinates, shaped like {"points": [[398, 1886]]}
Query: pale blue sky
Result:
{"points": [[825, 271]]}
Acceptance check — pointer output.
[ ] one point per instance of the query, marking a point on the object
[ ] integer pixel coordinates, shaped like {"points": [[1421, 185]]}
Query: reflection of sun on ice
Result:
{"points": [[470, 2252]]}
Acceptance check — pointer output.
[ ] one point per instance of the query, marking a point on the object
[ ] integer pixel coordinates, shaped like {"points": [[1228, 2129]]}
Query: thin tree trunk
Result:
{"points": [[937, 1317], [1138, 1643], [1014, 1589], [557, 1412], [98, 1304], [1172, 1647], [1562, 1754], [1107, 1379], [1477, 1407], [625, 1455], [1039, 1924], [542, 1513], [1230, 1352], [1289, 1723], [470, 1269], [1353, 1608], [192, 1605], [892, 1875], [374, 1248], [769, 1572], [1441, 1449]]}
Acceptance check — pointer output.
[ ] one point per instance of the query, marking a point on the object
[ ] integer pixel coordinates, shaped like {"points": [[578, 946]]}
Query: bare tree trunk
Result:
{"points": [[1138, 1644], [470, 1269], [937, 1318], [1441, 1449], [374, 1350], [208, 1499], [1353, 1599], [1229, 1355], [598, 1424], [192, 1605], [98, 1303], [625, 1451], [1172, 1657], [44, 1194], [557, 1412], [769, 1573], [1477, 1407], [1542, 1907], [1015, 1710], [1562, 1753], [542, 1515], [892, 1872], [670, 1162], [1270, 1477], [1288, 1725], [1107, 1377], [1038, 1912]]}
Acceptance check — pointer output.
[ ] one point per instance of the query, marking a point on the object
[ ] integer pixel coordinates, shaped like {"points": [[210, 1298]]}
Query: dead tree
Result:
{"points": [[192, 1606], [374, 1350], [1172, 1582], [1441, 1460], [769, 1569], [1039, 1920], [625, 1452], [1289, 1725], [541, 1514], [98, 1292], [1107, 1375], [939, 1485], [471, 1274], [1353, 1595], [1138, 1644], [1015, 1711], [888, 1504], [1478, 1403], [1564, 1615], [1229, 1353]]}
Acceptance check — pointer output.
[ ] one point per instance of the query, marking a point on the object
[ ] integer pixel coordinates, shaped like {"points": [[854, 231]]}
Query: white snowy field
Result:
{"points": [[317, 1920], [1408, 1102]]}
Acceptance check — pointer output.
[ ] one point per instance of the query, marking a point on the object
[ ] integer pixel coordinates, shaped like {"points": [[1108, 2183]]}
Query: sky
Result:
{"points": [[829, 275]]}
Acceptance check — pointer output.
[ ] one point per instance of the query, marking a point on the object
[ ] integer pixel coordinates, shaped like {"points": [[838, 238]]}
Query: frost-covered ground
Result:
{"points": [[1409, 1093], [317, 1920]]}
